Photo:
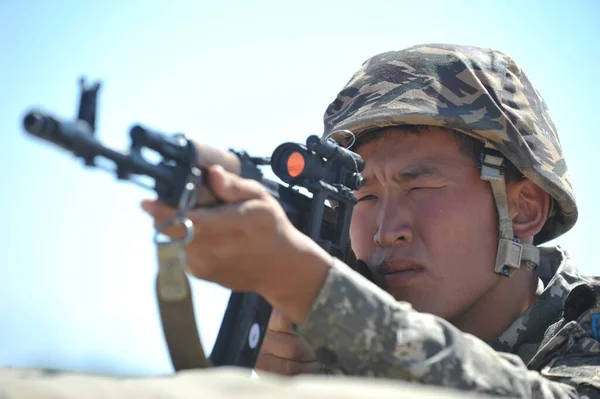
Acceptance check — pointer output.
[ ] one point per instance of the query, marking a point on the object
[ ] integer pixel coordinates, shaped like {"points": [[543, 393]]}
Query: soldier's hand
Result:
{"points": [[283, 352], [249, 244]]}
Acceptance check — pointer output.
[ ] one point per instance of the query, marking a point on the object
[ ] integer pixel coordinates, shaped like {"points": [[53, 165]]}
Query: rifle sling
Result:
{"points": [[181, 332]]}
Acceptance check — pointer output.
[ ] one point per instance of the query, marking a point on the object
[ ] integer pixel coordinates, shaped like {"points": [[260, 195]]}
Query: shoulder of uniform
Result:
{"points": [[570, 352]]}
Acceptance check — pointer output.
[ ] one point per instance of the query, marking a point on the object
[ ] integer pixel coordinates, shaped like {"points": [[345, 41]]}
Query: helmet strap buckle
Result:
{"points": [[508, 256]]}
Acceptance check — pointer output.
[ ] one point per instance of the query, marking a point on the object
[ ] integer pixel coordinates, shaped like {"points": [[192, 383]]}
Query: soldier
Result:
{"points": [[464, 179]]}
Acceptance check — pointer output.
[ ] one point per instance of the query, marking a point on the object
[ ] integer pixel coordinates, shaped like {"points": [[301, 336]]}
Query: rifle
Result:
{"points": [[328, 171]]}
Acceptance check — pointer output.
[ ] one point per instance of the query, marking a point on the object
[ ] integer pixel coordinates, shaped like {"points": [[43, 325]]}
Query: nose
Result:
{"points": [[394, 227]]}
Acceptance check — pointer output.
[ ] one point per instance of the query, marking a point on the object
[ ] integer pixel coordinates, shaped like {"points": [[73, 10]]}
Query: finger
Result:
{"points": [[157, 209], [287, 346], [161, 213], [279, 322], [277, 365], [231, 187], [229, 219]]}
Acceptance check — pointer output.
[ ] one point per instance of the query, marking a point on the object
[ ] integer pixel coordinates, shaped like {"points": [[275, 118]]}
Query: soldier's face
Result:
{"points": [[426, 223]]}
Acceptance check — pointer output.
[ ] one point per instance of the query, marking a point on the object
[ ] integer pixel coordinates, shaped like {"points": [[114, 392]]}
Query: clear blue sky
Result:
{"points": [[77, 256]]}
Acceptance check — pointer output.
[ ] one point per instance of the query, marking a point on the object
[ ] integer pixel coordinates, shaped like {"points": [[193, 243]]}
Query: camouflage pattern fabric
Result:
{"points": [[551, 351], [221, 383], [480, 92]]}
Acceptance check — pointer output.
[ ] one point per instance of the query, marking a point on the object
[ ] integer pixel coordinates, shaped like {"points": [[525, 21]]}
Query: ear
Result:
{"points": [[528, 206]]}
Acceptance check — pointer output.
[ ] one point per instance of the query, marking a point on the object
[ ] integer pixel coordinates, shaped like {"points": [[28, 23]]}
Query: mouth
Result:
{"points": [[401, 273]]}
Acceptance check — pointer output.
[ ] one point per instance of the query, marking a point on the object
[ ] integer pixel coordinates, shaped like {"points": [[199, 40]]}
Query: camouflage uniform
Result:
{"points": [[359, 329], [553, 349]]}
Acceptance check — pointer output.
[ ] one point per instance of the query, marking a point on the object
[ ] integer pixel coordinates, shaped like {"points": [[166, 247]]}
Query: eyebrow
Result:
{"points": [[412, 172]]}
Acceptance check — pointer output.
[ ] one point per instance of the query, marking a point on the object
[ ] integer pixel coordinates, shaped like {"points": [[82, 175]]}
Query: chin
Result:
{"points": [[423, 303]]}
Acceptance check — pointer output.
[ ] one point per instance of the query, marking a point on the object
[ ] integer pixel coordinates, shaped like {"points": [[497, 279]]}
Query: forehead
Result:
{"points": [[401, 142]]}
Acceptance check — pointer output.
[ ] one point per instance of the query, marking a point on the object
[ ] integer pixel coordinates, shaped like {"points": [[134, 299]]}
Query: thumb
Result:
{"points": [[279, 322], [230, 187]]}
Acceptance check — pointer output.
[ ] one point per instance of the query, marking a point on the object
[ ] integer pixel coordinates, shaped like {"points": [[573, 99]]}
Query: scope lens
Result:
{"points": [[295, 164]]}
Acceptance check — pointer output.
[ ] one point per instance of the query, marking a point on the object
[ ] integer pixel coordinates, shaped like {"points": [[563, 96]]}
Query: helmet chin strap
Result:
{"points": [[511, 251]]}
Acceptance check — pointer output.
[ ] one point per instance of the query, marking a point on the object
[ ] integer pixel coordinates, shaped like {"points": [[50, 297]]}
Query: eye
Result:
{"points": [[421, 188], [366, 198]]}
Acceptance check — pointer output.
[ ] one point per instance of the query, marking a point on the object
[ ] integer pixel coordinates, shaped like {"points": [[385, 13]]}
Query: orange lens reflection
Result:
{"points": [[295, 164]]}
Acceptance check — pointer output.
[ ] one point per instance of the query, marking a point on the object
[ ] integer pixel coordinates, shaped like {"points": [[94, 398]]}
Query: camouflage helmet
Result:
{"points": [[479, 92]]}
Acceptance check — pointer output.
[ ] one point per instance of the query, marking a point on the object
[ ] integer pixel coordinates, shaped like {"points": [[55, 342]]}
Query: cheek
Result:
{"points": [[362, 231], [460, 224]]}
